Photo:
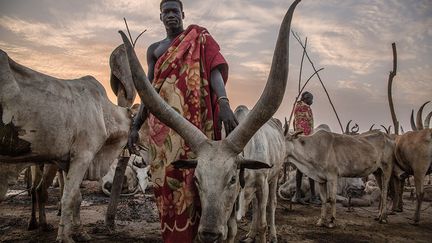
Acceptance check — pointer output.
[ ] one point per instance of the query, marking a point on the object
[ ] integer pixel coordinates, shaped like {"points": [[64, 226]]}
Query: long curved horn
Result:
{"points": [[371, 127], [419, 120], [164, 112], [347, 127], [413, 126], [273, 93], [427, 120]]}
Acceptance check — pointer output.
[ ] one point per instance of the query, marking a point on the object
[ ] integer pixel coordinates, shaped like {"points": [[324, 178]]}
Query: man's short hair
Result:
{"points": [[164, 1], [305, 93]]}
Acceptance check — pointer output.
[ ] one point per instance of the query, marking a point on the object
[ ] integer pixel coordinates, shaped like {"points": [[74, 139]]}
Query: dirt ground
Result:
{"points": [[137, 221]]}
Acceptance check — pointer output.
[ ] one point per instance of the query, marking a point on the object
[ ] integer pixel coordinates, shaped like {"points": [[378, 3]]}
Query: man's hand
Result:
{"points": [[132, 140], [226, 116]]}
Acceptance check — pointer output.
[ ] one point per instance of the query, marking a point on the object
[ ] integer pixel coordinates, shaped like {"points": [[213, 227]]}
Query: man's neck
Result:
{"points": [[173, 33]]}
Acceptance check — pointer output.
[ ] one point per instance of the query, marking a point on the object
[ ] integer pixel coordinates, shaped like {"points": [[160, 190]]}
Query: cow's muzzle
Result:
{"points": [[209, 236]]}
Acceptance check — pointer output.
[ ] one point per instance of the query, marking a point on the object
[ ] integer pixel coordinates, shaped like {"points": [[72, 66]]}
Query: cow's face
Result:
{"points": [[217, 177]]}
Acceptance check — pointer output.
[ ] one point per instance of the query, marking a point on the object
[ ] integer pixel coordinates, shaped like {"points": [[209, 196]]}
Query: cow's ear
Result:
{"points": [[253, 165], [185, 164]]}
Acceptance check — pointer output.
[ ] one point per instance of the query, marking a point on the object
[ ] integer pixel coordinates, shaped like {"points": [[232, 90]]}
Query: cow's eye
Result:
{"points": [[233, 180]]}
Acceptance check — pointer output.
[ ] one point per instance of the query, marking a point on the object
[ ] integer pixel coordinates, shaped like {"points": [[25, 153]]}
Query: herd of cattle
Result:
{"points": [[51, 124]]}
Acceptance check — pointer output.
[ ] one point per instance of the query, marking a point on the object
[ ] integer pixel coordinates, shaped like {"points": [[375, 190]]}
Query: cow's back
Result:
{"points": [[45, 107], [413, 147], [268, 143]]}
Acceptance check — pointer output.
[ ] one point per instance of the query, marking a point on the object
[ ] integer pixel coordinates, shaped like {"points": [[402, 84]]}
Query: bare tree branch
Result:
{"points": [[389, 90]]}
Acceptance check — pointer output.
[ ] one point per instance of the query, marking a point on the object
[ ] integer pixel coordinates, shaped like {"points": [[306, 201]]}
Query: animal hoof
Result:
{"points": [[64, 240], [47, 228], [331, 225], [415, 223], [383, 221], [273, 239], [32, 225], [247, 240], [320, 223]]}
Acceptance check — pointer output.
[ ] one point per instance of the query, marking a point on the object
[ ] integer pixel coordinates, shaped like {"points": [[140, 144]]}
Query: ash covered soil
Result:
{"points": [[137, 221]]}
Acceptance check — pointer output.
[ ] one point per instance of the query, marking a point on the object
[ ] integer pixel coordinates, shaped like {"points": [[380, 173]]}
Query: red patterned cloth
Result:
{"points": [[303, 118], [181, 77]]}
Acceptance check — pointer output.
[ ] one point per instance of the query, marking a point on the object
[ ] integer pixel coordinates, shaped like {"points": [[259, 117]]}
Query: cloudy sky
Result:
{"points": [[350, 39]]}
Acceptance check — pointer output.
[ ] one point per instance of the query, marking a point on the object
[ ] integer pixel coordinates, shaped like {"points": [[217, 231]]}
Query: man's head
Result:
{"points": [[172, 14], [307, 98]]}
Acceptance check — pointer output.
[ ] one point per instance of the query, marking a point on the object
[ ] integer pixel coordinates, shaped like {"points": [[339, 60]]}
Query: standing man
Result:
{"points": [[188, 71], [303, 121]]}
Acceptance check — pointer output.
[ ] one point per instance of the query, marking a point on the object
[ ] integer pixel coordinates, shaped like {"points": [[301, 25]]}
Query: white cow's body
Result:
{"points": [[71, 122], [268, 146]]}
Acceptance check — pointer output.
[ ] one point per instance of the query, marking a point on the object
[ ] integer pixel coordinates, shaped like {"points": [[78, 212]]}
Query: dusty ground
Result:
{"points": [[137, 221]]}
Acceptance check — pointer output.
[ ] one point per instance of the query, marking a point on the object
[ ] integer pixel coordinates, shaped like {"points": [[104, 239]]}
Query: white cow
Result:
{"points": [[268, 146], [218, 162], [135, 178], [72, 122]]}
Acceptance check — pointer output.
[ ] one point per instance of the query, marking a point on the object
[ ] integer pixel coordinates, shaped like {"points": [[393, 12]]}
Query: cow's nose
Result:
{"points": [[209, 236]]}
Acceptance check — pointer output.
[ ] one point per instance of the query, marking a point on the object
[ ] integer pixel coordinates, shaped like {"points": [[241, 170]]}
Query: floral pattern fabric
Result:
{"points": [[303, 118], [181, 77]]}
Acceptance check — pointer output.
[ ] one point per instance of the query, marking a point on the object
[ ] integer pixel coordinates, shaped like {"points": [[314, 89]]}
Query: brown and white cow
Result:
{"points": [[69, 121], [268, 146], [414, 156], [324, 156], [218, 162]]}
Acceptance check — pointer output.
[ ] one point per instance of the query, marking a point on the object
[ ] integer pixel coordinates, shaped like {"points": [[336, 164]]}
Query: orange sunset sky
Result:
{"points": [[350, 39]]}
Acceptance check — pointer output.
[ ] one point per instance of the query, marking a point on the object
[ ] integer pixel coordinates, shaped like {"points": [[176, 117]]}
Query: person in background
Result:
{"points": [[303, 121]]}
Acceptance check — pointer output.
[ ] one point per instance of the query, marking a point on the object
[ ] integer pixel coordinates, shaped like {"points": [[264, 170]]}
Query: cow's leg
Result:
{"points": [[397, 194], [419, 186], [36, 177], [250, 236], [332, 186], [262, 198], [271, 209], [49, 173], [77, 169], [385, 179], [60, 176], [323, 195]]}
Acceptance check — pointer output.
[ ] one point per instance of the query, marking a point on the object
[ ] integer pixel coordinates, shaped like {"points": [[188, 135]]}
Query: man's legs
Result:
{"points": [[297, 198]]}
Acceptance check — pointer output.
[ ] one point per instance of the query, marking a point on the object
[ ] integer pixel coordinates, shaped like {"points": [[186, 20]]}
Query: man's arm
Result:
{"points": [[226, 116]]}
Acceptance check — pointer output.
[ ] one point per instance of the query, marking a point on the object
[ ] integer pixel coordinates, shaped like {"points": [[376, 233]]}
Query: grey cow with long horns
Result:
{"points": [[218, 162]]}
